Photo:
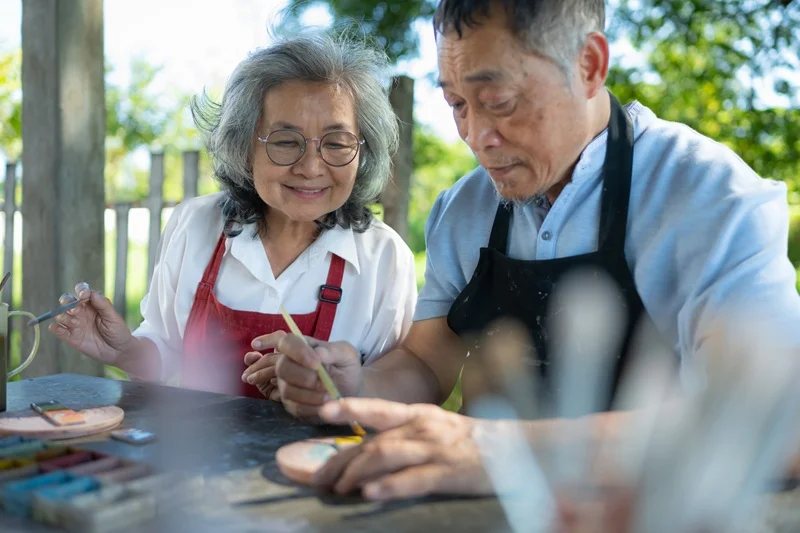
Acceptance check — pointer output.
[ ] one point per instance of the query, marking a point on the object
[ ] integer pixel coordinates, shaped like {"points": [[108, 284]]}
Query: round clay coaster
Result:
{"points": [[299, 461], [28, 423]]}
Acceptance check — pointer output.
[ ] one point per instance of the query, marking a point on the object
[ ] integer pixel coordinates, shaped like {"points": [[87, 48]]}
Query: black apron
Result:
{"points": [[505, 287]]}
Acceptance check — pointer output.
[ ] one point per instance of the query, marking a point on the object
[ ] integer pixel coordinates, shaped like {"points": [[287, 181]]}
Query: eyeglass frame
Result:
{"points": [[305, 145]]}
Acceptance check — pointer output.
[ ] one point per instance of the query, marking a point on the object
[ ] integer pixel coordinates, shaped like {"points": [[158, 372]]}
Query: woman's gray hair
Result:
{"points": [[230, 126]]}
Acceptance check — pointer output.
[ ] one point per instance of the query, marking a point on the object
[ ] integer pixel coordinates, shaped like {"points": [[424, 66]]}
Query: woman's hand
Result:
{"points": [[260, 372], [93, 327]]}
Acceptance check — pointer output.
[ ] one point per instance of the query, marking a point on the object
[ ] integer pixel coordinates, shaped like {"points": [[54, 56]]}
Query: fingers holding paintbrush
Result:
{"points": [[68, 305], [58, 311], [322, 374], [89, 323]]}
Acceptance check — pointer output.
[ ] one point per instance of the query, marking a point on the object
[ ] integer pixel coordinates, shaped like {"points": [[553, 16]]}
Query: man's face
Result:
{"points": [[523, 119]]}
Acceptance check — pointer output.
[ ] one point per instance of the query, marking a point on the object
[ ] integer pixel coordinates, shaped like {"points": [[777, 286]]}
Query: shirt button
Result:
{"points": [[546, 236], [539, 201]]}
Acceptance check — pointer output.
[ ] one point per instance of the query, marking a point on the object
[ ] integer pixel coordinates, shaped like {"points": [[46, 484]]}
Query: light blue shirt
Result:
{"points": [[705, 233]]}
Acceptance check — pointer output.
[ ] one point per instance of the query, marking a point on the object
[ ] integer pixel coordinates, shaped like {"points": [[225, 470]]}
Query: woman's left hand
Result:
{"points": [[261, 373]]}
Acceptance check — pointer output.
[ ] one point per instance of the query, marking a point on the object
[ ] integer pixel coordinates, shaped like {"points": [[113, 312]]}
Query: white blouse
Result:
{"points": [[378, 289]]}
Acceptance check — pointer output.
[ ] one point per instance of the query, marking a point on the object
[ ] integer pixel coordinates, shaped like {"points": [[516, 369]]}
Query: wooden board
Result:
{"points": [[28, 423], [300, 460]]}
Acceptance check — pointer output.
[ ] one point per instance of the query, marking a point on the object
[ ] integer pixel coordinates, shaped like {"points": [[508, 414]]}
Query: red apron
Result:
{"points": [[217, 337]]}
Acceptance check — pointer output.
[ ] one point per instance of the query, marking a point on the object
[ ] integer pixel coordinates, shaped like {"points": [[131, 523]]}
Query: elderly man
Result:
{"points": [[568, 178]]}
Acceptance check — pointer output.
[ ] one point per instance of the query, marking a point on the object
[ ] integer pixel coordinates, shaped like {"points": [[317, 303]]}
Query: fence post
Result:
{"points": [[9, 208], [191, 173], [155, 204], [396, 194], [121, 266], [63, 95]]}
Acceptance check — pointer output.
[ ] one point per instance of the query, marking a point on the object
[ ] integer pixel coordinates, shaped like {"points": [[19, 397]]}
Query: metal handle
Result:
{"points": [[36, 337]]}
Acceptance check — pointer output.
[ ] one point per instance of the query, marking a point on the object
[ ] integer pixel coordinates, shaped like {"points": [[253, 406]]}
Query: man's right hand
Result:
{"points": [[301, 389]]}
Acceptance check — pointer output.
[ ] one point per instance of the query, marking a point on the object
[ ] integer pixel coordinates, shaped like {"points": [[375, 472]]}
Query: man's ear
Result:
{"points": [[593, 64]]}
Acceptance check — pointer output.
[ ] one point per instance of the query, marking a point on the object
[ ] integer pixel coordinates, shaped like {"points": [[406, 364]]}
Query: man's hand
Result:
{"points": [[301, 391], [422, 449]]}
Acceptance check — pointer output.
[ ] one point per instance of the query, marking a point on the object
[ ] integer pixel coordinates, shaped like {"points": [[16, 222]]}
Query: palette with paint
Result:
{"points": [[83, 490], [299, 461]]}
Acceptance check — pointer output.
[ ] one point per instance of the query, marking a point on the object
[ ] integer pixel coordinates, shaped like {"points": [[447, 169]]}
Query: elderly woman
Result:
{"points": [[301, 144]]}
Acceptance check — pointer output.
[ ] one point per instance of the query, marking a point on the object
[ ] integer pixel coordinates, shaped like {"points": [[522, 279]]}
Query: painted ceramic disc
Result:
{"points": [[300, 460]]}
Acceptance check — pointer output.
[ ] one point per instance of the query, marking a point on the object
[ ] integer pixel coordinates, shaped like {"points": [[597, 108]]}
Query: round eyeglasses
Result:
{"points": [[286, 147]]}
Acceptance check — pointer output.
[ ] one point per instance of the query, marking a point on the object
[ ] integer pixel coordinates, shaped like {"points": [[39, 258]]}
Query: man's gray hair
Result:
{"points": [[230, 126], [555, 29]]}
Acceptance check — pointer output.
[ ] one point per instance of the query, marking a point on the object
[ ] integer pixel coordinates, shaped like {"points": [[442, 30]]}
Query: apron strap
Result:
{"points": [[617, 170], [330, 295], [498, 240], [212, 269]]}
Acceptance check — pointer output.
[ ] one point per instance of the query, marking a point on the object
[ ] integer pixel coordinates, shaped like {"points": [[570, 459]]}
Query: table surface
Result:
{"points": [[233, 441], [237, 437]]}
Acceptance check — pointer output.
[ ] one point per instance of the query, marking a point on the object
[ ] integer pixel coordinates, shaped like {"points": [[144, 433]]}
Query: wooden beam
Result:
{"points": [[63, 109], [9, 208], [397, 193], [156, 204], [40, 159], [191, 173], [121, 263]]}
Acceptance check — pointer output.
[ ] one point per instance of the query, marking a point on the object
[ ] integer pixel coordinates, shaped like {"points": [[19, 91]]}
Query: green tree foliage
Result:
{"points": [[389, 23], [705, 59], [437, 165], [761, 35], [11, 105], [703, 63], [136, 119]]}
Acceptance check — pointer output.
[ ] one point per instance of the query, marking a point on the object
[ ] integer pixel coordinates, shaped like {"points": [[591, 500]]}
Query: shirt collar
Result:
{"points": [[250, 252], [337, 240], [590, 163]]}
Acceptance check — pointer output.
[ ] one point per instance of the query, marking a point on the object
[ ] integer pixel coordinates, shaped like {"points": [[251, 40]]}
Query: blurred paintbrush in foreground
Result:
{"points": [[699, 461]]}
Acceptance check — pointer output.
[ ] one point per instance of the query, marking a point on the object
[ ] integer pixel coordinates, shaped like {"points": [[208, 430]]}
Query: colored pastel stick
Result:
{"points": [[67, 461], [97, 466], [5, 442], [10, 464], [14, 474], [16, 496], [45, 503], [127, 472], [109, 509], [20, 450]]}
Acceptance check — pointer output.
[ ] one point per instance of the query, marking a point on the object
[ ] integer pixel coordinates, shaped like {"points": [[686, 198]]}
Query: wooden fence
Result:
{"points": [[154, 203]]}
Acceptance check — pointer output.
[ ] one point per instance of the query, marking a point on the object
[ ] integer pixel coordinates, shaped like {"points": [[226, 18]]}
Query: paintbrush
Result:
{"points": [[57, 311], [326, 380]]}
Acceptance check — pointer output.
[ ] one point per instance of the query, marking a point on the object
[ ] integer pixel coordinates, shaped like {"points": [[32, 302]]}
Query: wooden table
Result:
{"points": [[237, 437], [214, 434]]}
